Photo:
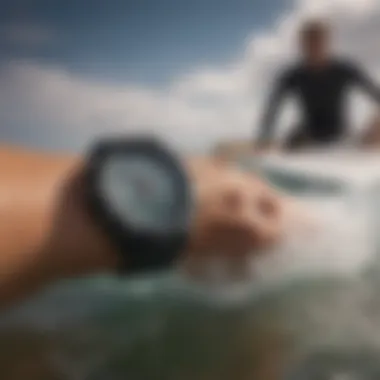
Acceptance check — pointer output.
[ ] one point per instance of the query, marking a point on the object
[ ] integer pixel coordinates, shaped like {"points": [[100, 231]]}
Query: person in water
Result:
{"points": [[320, 82]]}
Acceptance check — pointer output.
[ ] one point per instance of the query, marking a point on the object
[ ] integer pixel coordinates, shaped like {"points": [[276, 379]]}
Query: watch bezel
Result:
{"points": [[156, 248]]}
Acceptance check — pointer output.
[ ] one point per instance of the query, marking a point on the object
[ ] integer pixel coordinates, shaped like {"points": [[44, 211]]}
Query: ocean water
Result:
{"points": [[310, 310]]}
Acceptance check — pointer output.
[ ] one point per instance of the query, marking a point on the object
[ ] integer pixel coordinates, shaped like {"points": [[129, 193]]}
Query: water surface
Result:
{"points": [[312, 311]]}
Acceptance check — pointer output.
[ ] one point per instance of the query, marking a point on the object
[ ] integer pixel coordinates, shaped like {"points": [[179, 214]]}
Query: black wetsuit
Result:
{"points": [[321, 94]]}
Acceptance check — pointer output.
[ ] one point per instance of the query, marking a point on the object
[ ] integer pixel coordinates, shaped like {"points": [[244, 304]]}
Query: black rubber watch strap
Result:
{"points": [[137, 251]]}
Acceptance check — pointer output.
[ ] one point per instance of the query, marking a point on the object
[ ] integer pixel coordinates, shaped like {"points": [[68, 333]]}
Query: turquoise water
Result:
{"points": [[312, 311]]}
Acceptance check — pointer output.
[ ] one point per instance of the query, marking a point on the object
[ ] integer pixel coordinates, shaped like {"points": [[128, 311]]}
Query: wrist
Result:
{"points": [[91, 239], [76, 245]]}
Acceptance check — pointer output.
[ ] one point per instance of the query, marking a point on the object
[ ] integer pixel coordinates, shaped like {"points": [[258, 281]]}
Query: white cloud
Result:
{"points": [[198, 109]]}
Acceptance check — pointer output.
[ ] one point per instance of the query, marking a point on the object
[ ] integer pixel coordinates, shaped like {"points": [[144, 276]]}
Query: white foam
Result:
{"points": [[331, 236], [353, 168], [330, 239]]}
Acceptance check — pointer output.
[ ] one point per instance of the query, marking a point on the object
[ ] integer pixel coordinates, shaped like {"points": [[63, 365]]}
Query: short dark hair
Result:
{"points": [[314, 28]]}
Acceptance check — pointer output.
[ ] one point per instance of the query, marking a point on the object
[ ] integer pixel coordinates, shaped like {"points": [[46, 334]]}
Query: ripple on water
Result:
{"points": [[311, 312]]}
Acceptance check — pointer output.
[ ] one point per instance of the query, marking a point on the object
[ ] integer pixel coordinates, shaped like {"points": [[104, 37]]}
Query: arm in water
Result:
{"points": [[47, 235], [281, 87]]}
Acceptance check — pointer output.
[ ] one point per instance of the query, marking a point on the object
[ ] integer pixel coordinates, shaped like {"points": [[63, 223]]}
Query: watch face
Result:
{"points": [[142, 191]]}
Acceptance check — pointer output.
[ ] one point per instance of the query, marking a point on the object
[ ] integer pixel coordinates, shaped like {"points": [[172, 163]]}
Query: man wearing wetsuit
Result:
{"points": [[320, 84]]}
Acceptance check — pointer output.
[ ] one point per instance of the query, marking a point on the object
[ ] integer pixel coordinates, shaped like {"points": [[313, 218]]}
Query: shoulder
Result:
{"points": [[289, 74], [347, 67]]}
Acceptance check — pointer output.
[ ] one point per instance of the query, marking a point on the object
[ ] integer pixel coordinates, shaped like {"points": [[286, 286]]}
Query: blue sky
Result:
{"points": [[142, 41], [193, 72]]}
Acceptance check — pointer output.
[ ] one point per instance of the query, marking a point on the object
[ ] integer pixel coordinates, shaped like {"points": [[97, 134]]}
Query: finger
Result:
{"points": [[262, 216], [249, 214]]}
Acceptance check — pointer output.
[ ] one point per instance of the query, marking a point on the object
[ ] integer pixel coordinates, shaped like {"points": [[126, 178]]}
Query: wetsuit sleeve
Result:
{"points": [[361, 78], [281, 87]]}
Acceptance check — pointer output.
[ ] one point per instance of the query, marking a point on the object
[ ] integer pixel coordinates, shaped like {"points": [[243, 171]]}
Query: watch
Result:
{"points": [[138, 192]]}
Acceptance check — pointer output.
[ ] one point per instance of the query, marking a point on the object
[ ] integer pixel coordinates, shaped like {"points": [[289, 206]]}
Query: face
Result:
{"points": [[315, 47]]}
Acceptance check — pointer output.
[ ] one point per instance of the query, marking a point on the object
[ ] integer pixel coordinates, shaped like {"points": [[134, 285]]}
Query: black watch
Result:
{"points": [[139, 193]]}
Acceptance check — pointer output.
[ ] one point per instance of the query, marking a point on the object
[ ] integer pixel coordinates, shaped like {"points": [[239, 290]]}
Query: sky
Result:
{"points": [[192, 72]]}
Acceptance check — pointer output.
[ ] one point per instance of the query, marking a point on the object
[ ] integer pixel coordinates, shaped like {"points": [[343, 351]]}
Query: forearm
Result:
{"points": [[42, 235], [47, 233], [266, 130], [368, 85], [265, 134], [374, 91]]}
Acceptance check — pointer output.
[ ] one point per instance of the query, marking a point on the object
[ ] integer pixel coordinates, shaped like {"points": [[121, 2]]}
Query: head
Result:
{"points": [[315, 42]]}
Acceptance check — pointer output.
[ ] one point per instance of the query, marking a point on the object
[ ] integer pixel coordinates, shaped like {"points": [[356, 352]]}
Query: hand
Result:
{"points": [[237, 214], [266, 148]]}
